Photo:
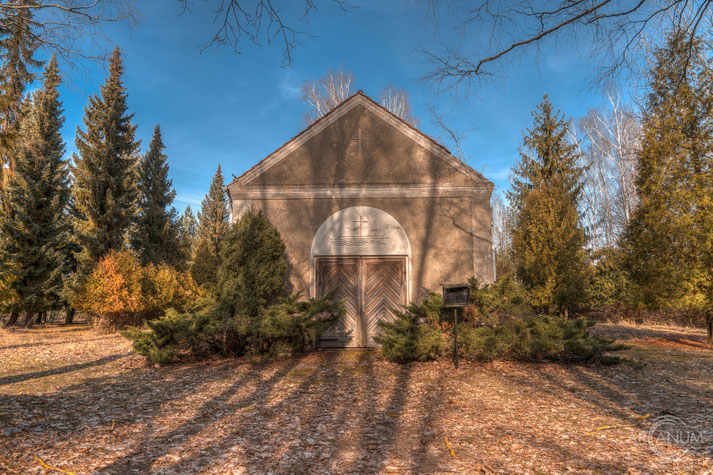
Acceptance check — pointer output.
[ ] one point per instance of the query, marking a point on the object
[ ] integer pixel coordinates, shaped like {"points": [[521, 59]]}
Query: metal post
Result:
{"points": [[455, 331]]}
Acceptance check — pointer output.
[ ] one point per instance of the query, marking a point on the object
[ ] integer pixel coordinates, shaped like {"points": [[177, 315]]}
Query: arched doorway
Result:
{"points": [[364, 253]]}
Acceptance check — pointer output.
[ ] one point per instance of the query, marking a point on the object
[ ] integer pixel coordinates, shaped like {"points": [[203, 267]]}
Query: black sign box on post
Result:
{"points": [[456, 295]]}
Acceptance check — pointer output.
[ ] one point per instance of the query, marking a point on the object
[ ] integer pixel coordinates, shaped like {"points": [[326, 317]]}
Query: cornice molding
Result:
{"points": [[393, 191]]}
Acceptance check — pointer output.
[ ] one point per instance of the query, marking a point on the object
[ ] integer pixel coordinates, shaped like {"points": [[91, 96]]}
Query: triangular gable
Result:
{"points": [[348, 104]]}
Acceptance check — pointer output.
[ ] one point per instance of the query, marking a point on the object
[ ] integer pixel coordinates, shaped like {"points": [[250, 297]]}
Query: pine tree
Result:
{"points": [[547, 236], [669, 242], [187, 227], [204, 268], [36, 229], [252, 269], [212, 227], [213, 216], [18, 43], [155, 237], [105, 187]]}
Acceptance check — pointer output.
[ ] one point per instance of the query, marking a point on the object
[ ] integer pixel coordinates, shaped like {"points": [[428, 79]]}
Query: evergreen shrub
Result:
{"points": [[609, 282], [286, 328], [536, 338], [499, 324], [205, 266], [415, 334]]}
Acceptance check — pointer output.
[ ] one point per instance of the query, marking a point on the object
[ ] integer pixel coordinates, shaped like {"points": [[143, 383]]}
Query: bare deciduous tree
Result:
{"points": [[617, 34], [609, 140], [455, 136], [396, 101], [324, 94], [260, 22], [71, 29], [501, 223]]}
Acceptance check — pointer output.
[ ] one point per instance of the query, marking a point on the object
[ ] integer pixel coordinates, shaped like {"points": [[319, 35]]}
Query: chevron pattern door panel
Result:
{"points": [[384, 288], [342, 274]]}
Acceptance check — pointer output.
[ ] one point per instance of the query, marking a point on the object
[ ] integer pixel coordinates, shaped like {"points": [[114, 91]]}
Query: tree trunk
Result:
{"points": [[29, 317], [13, 318], [69, 316], [42, 317], [709, 326]]}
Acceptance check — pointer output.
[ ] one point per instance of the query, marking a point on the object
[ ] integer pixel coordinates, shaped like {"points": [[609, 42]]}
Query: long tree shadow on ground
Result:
{"points": [[64, 369], [142, 457]]}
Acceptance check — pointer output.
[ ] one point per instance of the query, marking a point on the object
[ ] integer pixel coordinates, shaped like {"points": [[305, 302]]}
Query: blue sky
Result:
{"points": [[219, 107]]}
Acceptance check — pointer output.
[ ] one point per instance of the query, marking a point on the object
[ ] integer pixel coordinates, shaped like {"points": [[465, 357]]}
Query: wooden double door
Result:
{"points": [[370, 286]]}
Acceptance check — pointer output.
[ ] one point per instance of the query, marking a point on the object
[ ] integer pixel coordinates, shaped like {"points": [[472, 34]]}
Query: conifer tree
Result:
{"points": [[36, 229], [669, 242], [252, 268], [187, 227], [18, 43], [105, 187], [213, 216], [155, 237], [547, 236], [212, 227]]}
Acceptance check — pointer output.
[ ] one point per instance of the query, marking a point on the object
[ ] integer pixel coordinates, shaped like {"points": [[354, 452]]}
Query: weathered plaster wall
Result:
{"points": [[449, 237], [363, 156], [338, 156]]}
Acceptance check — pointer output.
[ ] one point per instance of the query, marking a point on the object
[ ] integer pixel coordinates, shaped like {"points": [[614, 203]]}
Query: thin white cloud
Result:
{"points": [[289, 86], [193, 199]]}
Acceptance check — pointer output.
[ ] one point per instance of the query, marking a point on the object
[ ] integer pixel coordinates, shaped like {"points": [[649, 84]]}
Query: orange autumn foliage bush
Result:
{"points": [[120, 291]]}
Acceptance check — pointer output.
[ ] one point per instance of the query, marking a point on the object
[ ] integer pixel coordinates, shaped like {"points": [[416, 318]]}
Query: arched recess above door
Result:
{"points": [[360, 231]]}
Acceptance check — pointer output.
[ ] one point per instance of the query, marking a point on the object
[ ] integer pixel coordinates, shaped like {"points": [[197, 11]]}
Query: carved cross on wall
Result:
{"points": [[358, 139], [359, 222]]}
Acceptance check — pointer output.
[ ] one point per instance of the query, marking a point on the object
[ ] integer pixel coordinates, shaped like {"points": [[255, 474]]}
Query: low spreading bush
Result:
{"points": [[287, 328], [536, 338], [499, 324], [120, 292], [293, 325], [415, 334], [505, 297]]}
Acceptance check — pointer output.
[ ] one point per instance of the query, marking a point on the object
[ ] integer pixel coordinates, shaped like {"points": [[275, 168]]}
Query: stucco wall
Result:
{"points": [[361, 155], [449, 236], [338, 156]]}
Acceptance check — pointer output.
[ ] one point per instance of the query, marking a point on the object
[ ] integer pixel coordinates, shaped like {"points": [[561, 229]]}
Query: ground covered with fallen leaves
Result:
{"points": [[75, 400]]}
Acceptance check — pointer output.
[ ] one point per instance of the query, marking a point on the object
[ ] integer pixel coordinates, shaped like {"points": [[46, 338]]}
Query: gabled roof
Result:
{"points": [[329, 118]]}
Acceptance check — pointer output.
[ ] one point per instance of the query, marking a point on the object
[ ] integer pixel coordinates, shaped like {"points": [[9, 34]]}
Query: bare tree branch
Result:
{"points": [[397, 102], [324, 94], [72, 29], [456, 136], [610, 141], [617, 35], [259, 22]]}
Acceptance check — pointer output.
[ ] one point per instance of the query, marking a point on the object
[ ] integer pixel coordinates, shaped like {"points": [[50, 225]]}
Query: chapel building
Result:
{"points": [[370, 205]]}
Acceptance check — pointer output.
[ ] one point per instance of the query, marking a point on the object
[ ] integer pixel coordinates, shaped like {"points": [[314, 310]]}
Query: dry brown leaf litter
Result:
{"points": [[83, 403]]}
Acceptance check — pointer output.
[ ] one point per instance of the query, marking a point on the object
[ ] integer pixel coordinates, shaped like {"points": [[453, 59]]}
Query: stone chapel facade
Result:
{"points": [[368, 204]]}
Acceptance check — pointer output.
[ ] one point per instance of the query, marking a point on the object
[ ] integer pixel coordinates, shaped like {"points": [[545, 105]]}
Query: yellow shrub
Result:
{"points": [[121, 292]]}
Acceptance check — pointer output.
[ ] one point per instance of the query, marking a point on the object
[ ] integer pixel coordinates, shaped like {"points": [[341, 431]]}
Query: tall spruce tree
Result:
{"points": [[155, 237], [18, 43], [212, 227], [187, 226], [105, 174], [669, 242], [213, 216], [36, 229], [547, 236]]}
